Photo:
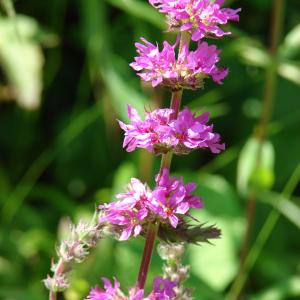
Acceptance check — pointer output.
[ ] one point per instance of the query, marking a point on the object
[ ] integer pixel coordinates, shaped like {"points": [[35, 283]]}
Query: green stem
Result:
{"points": [[262, 238], [263, 126]]}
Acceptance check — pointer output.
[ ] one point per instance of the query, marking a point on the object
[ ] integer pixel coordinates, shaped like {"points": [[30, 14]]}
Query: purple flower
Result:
{"points": [[144, 134], [172, 199], [130, 212], [192, 132], [200, 17], [188, 71], [163, 289], [109, 293], [159, 133]]}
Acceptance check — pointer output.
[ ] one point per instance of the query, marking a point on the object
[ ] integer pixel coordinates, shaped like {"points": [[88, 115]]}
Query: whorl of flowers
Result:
{"points": [[201, 18], [169, 202], [187, 71], [160, 133], [162, 289]]}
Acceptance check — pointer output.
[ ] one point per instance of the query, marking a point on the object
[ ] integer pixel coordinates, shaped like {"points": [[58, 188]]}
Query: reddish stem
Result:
{"points": [[175, 103], [147, 254], [59, 270], [165, 163]]}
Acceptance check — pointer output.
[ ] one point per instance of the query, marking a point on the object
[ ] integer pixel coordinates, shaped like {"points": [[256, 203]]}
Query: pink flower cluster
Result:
{"points": [[160, 133], [187, 71], [200, 17], [168, 202], [163, 289]]}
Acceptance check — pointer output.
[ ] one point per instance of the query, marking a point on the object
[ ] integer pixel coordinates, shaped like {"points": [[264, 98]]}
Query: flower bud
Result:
{"points": [[57, 283], [171, 252]]}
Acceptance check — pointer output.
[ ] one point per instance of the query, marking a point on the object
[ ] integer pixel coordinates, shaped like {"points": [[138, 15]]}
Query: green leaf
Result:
{"points": [[121, 92], [217, 264], [252, 174], [291, 43], [22, 59], [285, 206], [290, 71], [252, 53], [141, 10], [188, 233], [122, 177]]}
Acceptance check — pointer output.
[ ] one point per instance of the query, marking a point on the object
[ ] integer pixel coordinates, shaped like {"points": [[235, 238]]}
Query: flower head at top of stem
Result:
{"points": [[201, 18]]}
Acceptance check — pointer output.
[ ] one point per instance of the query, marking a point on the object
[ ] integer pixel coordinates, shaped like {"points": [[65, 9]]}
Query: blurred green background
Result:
{"points": [[65, 80]]}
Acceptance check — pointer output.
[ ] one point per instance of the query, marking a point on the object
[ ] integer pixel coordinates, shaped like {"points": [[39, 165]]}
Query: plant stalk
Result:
{"points": [[58, 271], [147, 254], [165, 163], [263, 126]]}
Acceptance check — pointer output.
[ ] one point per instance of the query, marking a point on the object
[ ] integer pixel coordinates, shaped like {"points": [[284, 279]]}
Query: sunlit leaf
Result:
{"points": [[253, 53], [217, 264], [290, 71], [291, 43], [289, 209], [123, 175], [252, 173], [21, 59]]}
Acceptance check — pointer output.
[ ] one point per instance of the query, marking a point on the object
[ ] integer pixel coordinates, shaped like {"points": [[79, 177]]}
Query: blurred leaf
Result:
{"points": [[290, 71], [53, 195], [122, 177], [6, 268], [282, 290], [217, 264], [250, 173], [285, 206], [291, 43], [253, 53], [121, 92], [127, 259], [22, 59], [34, 240], [10, 10], [141, 10]]}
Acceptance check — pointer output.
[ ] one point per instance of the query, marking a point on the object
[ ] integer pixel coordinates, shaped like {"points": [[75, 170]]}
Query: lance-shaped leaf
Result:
{"points": [[255, 166], [188, 233]]}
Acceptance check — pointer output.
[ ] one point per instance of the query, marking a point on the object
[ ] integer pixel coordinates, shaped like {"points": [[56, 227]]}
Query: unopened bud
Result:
{"points": [[57, 283], [171, 252]]}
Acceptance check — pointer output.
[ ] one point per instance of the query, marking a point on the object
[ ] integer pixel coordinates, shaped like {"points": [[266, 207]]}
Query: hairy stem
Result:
{"points": [[58, 271]]}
